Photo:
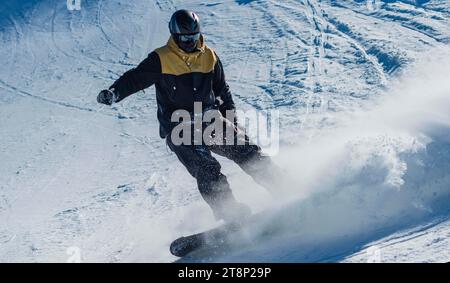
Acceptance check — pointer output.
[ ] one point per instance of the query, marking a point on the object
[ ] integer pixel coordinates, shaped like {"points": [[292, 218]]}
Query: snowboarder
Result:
{"points": [[185, 71]]}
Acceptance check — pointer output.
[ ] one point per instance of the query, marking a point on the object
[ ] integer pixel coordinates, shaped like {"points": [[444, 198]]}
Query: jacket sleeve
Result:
{"points": [[143, 76], [221, 88]]}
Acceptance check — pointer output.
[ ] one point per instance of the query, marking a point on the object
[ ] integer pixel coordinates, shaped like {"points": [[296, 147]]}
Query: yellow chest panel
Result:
{"points": [[175, 62]]}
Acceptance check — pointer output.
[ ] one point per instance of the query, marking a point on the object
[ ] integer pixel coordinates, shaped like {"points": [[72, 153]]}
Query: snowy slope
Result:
{"points": [[427, 243], [363, 98]]}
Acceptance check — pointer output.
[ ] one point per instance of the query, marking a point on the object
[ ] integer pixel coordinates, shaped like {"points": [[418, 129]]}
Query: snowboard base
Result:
{"points": [[213, 238]]}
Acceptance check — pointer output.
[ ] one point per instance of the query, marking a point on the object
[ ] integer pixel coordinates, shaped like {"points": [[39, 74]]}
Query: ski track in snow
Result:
{"points": [[99, 178]]}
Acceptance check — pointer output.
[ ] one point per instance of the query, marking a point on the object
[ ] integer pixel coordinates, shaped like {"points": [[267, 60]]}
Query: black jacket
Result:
{"points": [[180, 79]]}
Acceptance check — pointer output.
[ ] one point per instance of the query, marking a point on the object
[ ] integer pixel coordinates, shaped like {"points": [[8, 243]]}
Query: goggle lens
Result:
{"points": [[189, 37]]}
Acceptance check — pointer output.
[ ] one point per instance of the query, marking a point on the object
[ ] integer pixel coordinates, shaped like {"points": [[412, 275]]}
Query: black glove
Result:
{"points": [[107, 96]]}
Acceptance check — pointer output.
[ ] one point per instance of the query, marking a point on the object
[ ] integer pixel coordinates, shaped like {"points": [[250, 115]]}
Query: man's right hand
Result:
{"points": [[106, 96]]}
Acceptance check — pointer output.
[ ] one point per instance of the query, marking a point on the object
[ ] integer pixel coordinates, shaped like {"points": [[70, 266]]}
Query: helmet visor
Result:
{"points": [[188, 37]]}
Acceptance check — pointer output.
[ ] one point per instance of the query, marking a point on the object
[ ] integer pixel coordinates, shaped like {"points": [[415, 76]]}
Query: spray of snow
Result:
{"points": [[383, 169]]}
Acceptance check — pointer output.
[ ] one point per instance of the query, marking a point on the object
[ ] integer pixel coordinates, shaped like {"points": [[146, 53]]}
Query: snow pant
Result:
{"points": [[212, 184]]}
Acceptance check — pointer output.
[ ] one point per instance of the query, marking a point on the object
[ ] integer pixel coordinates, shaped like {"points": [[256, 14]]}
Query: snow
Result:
{"points": [[363, 99], [427, 243]]}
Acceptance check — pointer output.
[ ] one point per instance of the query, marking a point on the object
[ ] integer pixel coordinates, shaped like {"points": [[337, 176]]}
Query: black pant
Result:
{"points": [[212, 184]]}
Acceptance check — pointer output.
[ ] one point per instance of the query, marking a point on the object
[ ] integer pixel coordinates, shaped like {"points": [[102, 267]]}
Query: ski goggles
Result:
{"points": [[188, 37]]}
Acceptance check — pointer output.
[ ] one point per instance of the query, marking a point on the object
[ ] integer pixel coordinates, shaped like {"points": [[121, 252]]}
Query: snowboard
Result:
{"points": [[213, 238], [223, 235]]}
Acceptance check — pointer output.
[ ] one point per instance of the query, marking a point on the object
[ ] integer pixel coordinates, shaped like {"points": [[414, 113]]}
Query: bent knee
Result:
{"points": [[208, 172]]}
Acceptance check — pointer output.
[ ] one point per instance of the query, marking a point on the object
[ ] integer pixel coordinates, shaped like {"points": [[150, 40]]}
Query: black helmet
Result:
{"points": [[185, 29], [184, 22]]}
